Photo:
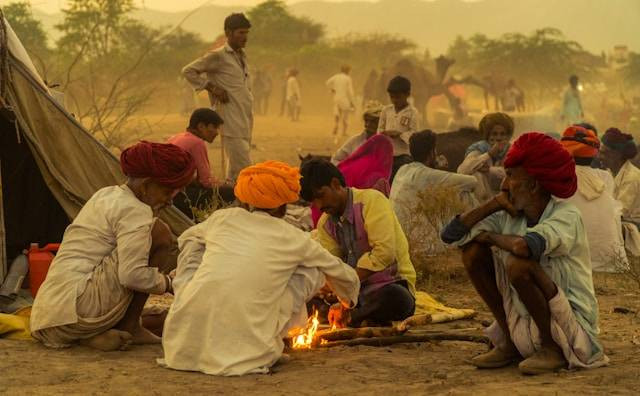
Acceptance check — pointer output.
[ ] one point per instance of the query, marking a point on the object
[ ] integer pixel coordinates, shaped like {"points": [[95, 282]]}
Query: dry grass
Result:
{"points": [[435, 206], [216, 202]]}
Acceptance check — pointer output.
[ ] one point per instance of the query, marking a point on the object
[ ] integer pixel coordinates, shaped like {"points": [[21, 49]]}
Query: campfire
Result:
{"points": [[306, 336]]}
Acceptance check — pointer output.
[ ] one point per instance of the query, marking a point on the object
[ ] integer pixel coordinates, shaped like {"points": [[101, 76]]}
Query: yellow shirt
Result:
{"points": [[387, 242]]}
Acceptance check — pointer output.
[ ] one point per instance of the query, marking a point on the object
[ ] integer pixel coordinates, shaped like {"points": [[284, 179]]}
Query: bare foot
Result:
{"points": [[141, 336], [110, 340]]}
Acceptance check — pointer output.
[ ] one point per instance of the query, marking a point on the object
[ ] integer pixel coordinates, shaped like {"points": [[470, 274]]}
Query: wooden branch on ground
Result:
{"points": [[408, 338], [438, 317], [360, 332]]}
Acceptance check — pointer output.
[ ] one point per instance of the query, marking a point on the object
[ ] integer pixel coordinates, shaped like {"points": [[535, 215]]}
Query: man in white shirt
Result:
{"points": [[114, 254], [399, 121], [244, 277], [294, 99], [341, 87], [229, 85]]}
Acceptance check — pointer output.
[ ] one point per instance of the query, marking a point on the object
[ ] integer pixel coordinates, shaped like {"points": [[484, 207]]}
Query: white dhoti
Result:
{"points": [[100, 306], [565, 329], [238, 152]]}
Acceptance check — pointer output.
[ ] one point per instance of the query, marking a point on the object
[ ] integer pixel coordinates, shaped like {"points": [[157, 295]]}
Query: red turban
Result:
{"points": [[165, 164], [544, 159], [580, 142]]}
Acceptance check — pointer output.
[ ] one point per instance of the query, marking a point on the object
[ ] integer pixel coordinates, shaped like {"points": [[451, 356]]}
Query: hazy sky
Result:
{"points": [[164, 5]]}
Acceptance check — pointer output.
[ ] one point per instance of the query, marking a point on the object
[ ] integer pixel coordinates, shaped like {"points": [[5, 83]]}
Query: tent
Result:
{"points": [[49, 164]]}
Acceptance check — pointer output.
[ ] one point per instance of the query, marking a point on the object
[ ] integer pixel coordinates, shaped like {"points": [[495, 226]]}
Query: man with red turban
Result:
{"points": [[527, 255], [618, 149], [114, 254], [243, 279]]}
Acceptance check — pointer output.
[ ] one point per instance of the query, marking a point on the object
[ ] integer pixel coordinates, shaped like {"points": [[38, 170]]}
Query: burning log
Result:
{"points": [[408, 338]]}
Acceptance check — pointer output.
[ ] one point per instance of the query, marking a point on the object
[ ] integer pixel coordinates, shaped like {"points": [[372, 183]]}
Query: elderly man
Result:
{"points": [[528, 257], [618, 149], [359, 226], [243, 278], [371, 118], [112, 255], [229, 86], [595, 199]]}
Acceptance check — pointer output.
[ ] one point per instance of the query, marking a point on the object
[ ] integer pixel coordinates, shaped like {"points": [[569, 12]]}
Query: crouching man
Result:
{"points": [[244, 277], [528, 257], [113, 256]]}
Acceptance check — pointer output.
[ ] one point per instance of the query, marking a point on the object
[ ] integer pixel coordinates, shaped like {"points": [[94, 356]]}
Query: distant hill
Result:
{"points": [[597, 24]]}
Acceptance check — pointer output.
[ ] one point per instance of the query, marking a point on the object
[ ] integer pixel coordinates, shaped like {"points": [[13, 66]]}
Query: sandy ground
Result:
{"points": [[420, 368]]}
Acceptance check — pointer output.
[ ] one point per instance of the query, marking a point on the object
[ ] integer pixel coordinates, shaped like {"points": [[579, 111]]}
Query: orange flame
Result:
{"points": [[304, 340]]}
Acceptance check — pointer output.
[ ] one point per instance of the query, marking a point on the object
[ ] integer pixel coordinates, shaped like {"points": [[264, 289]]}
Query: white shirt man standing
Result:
{"points": [[229, 85], [341, 87]]}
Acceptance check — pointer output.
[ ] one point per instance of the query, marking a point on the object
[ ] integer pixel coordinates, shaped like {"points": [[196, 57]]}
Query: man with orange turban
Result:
{"points": [[618, 149], [114, 254], [527, 255], [244, 277], [601, 212]]}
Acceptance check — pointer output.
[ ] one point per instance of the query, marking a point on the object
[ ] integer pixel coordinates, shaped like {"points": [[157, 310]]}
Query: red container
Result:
{"points": [[39, 262]]}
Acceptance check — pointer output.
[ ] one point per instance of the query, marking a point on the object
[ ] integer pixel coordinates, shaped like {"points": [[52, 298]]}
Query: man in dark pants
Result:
{"points": [[360, 227]]}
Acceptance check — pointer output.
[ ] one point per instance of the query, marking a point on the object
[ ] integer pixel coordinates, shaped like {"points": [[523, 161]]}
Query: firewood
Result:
{"points": [[407, 338], [438, 317], [361, 332]]}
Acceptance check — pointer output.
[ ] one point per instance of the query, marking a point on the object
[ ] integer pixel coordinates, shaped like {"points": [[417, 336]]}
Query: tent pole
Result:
{"points": [[3, 235]]}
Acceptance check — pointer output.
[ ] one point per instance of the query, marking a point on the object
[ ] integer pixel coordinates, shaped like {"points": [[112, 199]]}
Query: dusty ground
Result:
{"points": [[425, 368]]}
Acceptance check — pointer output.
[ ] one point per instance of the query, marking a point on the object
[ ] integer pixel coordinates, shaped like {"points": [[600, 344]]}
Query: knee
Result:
{"points": [[518, 269], [476, 256], [161, 235]]}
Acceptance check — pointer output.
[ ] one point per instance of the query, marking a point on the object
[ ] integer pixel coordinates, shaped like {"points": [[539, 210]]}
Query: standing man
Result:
{"points": [[229, 85], [341, 87], [572, 112]]}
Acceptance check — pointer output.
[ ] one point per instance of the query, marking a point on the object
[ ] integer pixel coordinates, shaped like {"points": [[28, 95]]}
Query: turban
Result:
{"points": [[373, 108], [492, 119], [165, 164], [268, 185], [544, 159], [580, 142], [622, 142]]}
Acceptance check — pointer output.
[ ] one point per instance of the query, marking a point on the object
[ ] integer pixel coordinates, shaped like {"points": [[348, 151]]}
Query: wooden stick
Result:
{"points": [[361, 332], [406, 338]]}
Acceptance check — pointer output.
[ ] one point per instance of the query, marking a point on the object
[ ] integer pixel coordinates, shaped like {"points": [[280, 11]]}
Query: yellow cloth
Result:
{"points": [[268, 185], [425, 304], [16, 325]]}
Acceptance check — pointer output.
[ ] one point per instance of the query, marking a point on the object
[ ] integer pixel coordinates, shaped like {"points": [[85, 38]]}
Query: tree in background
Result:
{"points": [[540, 62], [631, 72], [30, 32]]}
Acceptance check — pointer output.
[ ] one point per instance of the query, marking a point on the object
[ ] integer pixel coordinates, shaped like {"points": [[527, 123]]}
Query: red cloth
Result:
{"points": [[547, 161], [195, 146], [166, 164], [367, 167]]}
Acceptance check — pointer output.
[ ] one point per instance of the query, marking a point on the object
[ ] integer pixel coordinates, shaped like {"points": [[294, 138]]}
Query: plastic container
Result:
{"points": [[39, 262]]}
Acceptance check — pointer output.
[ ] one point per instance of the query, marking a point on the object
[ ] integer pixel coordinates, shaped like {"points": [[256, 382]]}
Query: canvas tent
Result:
{"points": [[50, 165]]}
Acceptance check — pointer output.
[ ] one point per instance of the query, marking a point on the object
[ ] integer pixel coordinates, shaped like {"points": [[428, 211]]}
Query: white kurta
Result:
{"points": [[601, 216], [405, 121], [113, 223], [488, 182], [242, 281], [627, 191], [342, 87]]}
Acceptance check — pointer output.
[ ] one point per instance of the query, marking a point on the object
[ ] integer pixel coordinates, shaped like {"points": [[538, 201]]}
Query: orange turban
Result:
{"points": [[580, 142], [268, 185]]}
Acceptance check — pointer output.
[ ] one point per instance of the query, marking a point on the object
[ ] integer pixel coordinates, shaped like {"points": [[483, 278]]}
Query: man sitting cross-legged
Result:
{"points": [[527, 256], [244, 277], [110, 256], [360, 227]]}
